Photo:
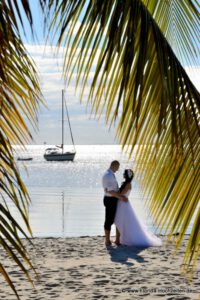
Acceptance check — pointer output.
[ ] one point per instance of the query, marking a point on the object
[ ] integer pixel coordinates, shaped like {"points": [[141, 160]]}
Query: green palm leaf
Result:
{"points": [[179, 22], [141, 85], [19, 99]]}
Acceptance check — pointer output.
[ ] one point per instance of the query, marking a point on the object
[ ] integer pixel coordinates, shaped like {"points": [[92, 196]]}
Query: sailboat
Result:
{"points": [[57, 153]]}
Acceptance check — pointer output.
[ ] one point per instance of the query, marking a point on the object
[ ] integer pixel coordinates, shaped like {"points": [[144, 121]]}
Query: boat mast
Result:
{"points": [[70, 126], [62, 121]]}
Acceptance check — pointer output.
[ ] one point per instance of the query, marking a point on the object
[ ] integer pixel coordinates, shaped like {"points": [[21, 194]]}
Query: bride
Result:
{"points": [[132, 232]]}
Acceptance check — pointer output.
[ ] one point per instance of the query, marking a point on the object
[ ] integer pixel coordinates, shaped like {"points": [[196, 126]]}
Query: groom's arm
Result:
{"points": [[121, 194], [117, 195], [108, 188]]}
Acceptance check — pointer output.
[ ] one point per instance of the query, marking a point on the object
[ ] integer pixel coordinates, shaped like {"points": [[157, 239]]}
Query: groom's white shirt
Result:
{"points": [[109, 182]]}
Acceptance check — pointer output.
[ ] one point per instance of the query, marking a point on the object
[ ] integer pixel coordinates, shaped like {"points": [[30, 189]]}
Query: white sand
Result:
{"points": [[83, 268]]}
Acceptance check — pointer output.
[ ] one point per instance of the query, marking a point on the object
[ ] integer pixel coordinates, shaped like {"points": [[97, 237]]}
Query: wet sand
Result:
{"points": [[83, 268]]}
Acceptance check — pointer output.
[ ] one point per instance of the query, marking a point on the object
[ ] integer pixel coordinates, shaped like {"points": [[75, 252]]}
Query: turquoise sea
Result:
{"points": [[67, 197]]}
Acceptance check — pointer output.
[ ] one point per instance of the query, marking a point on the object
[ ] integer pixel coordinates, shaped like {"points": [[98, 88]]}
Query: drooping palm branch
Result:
{"points": [[19, 98], [140, 83]]}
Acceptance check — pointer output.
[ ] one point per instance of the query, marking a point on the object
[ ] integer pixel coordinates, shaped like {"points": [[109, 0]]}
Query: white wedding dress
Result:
{"points": [[132, 231]]}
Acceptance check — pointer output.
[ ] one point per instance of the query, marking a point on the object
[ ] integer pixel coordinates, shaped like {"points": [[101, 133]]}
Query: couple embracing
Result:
{"points": [[130, 230]]}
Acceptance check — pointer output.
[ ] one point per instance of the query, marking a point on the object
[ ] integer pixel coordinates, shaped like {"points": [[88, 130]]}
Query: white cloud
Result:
{"points": [[49, 63], [86, 130]]}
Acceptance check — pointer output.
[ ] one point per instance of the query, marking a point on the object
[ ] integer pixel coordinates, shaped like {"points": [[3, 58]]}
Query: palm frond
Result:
{"points": [[7, 278], [179, 22], [19, 99], [140, 83]]}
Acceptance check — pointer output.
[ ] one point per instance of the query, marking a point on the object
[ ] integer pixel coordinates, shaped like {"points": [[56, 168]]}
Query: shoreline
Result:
{"points": [[83, 268], [92, 236]]}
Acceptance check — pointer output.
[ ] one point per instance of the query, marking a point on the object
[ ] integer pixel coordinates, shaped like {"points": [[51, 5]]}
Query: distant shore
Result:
{"points": [[83, 268]]}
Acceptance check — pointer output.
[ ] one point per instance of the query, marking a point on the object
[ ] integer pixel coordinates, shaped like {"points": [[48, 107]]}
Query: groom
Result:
{"points": [[111, 196]]}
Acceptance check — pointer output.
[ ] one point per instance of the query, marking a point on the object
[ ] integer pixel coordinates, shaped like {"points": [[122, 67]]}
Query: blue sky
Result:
{"points": [[86, 129]]}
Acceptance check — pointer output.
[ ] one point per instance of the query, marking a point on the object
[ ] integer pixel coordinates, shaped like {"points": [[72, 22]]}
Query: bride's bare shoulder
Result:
{"points": [[129, 185]]}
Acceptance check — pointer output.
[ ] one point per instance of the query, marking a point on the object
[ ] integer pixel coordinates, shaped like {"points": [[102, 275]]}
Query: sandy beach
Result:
{"points": [[83, 268]]}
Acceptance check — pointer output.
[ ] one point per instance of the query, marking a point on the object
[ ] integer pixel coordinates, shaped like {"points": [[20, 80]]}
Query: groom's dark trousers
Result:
{"points": [[110, 204]]}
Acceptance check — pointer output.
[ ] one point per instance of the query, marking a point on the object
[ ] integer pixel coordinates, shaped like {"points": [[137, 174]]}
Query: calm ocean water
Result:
{"points": [[67, 197]]}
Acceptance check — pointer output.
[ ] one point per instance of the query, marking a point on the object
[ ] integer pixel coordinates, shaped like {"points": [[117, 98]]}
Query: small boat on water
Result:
{"points": [[57, 153], [24, 158]]}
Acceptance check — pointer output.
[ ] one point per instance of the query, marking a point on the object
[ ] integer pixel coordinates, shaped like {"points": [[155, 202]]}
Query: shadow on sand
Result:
{"points": [[122, 254]]}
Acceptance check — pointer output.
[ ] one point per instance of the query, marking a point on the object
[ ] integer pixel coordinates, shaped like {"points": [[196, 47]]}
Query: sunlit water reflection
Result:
{"points": [[67, 197]]}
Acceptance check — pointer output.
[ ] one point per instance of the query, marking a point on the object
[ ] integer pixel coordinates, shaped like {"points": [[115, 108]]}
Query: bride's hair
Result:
{"points": [[128, 175]]}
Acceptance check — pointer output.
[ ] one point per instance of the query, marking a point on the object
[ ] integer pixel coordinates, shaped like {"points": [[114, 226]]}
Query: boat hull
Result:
{"points": [[24, 158], [68, 156]]}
